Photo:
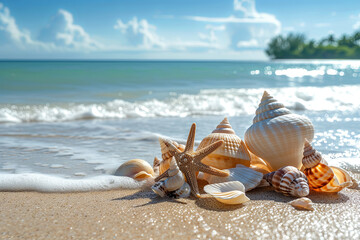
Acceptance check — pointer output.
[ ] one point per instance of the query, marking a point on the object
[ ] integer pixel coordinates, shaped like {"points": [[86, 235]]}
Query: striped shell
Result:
{"points": [[137, 169], [247, 176], [289, 181], [277, 135], [231, 153], [323, 178], [227, 192], [166, 155]]}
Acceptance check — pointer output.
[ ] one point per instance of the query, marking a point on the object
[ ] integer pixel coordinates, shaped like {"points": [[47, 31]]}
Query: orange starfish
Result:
{"points": [[189, 161]]}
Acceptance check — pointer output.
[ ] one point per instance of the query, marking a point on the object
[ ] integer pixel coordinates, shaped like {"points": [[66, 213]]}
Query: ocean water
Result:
{"points": [[67, 125]]}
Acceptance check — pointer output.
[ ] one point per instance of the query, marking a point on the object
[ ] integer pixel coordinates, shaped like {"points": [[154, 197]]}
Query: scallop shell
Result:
{"points": [[231, 153], [136, 168], [227, 192], [303, 203], [277, 135], [166, 155], [247, 176], [323, 178], [290, 181]]}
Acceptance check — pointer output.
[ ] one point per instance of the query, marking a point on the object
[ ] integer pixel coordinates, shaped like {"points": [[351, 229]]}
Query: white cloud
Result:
{"points": [[64, 33], [211, 36], [248, 28], [140, 33], [320, 25], [356, 25]]}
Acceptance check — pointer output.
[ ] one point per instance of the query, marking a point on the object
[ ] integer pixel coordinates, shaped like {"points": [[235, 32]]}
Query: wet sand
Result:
{"points": [[134, 214]]}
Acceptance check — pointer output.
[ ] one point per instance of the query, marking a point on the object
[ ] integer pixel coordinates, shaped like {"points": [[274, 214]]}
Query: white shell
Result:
{"points": [[182, 192], [228, 155], [247, 176], [277, 135], [227, 192], [136, 168], [303, 203], [163, 165]]}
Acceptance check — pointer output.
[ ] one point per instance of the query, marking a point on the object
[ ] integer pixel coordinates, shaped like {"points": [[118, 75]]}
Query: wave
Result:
{"points": [[229, 102]]}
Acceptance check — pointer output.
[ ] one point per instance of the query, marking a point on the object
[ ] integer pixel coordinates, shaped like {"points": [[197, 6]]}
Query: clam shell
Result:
{"points": [[231, 153], [227, 192], [323, 178], [166, 155], [247, 176], [289, 181], [303, 203], [277, 135], [137, 169]]}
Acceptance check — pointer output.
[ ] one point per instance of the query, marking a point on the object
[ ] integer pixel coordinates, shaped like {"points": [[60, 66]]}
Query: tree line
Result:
{"points": [[296, 46]]}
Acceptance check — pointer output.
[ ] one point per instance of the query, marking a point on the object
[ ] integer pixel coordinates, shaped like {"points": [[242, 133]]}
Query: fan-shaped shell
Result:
{"points": [[136, 168], [247, 176], [289, 181], [166, 155], [277, 135], [227, 192], [303, 203], [231, 153], [323, 178]]}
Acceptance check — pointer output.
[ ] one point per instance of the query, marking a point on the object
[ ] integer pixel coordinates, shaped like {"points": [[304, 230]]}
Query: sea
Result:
{"points": [[68, 125]]}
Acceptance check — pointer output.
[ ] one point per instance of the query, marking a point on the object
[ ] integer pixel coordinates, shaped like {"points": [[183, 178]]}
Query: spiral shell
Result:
{"points": [[136, 168], [231, 153], [227, 192], [166, 155], [289, 181], [247, 176], [323, 178], [277, 135]]}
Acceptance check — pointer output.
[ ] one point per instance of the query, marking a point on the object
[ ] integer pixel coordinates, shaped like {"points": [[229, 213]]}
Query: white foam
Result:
{"points": [[225, 102], [47, 183]]}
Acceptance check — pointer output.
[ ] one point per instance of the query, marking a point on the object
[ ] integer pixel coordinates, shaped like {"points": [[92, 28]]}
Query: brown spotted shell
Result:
{"points": [[228, 155], [289, 181], [323, 178]]}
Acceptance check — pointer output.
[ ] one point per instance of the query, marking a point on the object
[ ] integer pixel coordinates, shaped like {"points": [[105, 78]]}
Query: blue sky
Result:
{"points": [[210, 29]]}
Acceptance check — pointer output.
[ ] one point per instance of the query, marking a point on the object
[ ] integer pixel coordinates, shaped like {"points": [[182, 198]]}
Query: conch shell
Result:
{"points": [[174, 185], [277, 135], [166, 155], [227, 192], [290, 181], [323, 178], [247, 176], [137, 169], [231, 153]]}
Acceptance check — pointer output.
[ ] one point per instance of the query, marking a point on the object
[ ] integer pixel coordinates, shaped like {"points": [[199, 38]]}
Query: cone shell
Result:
{"points": [[227, 192], [166, 155], [323, 178], [136, 168], [289, 181], [231, 153], [277, 135], [303, 203], [247, 176]]}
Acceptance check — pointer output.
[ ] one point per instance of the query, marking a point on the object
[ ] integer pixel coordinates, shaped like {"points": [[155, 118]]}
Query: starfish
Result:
{"points": [[189, 162]]}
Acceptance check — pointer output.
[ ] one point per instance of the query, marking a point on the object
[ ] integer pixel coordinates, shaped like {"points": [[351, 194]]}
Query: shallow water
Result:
{"points": [[83, 119]]}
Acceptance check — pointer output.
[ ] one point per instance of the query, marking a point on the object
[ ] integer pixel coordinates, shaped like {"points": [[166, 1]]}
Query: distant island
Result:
{"points": [[296, 46]]}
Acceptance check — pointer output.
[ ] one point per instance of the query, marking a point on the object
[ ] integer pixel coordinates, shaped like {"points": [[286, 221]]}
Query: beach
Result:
{"points": [[140, 214]]}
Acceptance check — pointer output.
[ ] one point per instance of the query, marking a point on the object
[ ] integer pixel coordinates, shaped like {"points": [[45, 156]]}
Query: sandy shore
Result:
{"points": [[134, 214]]}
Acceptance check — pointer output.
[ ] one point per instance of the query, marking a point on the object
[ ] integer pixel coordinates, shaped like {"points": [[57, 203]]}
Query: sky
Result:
{"points": [[154, 29]]}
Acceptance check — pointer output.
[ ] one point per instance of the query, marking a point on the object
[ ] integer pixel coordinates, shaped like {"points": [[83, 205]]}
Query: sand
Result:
{"points": [[134, 214]]}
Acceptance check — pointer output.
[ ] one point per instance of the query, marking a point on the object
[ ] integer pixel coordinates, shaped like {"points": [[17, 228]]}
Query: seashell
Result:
{"points": [[174, 181], [247, 176], [323, 178], [277, 135], [166, 155], [259, 165], [303, 203], [289, 181], [137, 169], [227, 192], [183, 192], [231, 153]]}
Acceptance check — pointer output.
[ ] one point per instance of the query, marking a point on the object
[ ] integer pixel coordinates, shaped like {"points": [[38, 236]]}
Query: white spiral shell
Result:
{"points": [[277, 135]]}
